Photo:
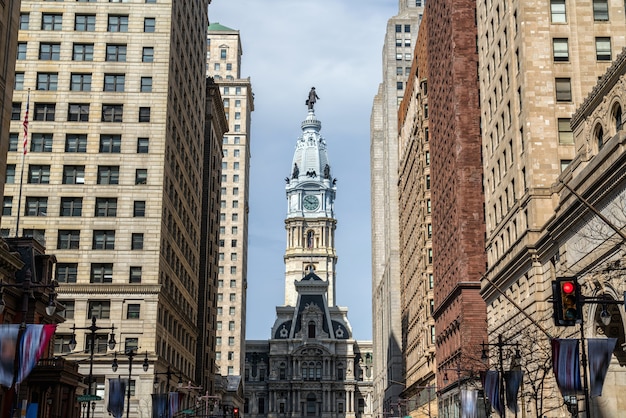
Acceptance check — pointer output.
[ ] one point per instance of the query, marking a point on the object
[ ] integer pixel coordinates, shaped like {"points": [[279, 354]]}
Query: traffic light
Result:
{"points": [[567, 302], [236, 412]]}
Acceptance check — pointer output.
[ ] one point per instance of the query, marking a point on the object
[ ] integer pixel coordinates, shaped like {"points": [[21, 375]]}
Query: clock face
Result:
{"points": [[310, 202]]}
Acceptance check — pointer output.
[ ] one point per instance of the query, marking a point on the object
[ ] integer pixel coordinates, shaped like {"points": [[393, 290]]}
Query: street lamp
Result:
{"points": [[168, 373], [27, 288], [130, 353], [92, 339], [484, 356]]}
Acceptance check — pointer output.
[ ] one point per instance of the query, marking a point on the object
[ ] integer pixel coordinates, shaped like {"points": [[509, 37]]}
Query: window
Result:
{"points": [[19, 81], [560, 49], [565, 131], [101, 309], [68, 312], [76, 143], [223, 53], [135, 274], [142, 145], [82, 52], [146, 84], [71, 206], [117, 23], [7, 205], [47, 81], [41, 143], [24, 21], [139, 208], [108, 174], [80, 82], [51, 21], [85, 23], [103, 240], [133, 311], [106, 207], [563, 90], [62, 343], [147, 54], [112, 112], [136, 241], [110, 143], [37, 174], [600, 10], [141, 176], [149, 24], [78, 112], [13, 141], [16, 114], [603, 49], [114, 82], [557, 11], [36, 206], [68, 239], [73, 174], [231, 310], [44, 111], [49, 51], [564, 164], [10, 175], [116, 53], [101, 273], [144, 114], [131, 343], [21, 50]]}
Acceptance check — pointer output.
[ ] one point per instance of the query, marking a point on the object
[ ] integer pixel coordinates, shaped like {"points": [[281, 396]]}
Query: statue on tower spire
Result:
{"points": [[310, 102]]}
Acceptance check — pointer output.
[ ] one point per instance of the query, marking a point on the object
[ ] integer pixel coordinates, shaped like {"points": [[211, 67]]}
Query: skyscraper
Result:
{"points": [[112, 181], [397, 56], [224, 64]]}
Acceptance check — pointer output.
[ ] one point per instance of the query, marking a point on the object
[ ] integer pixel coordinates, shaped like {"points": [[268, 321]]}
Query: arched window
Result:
{"points": [[311, 329], [617, 117], [310, 239], [599, 135]]}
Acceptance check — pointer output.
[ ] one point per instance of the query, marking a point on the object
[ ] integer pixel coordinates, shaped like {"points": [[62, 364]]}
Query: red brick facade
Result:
{"points": [[457, 196]]}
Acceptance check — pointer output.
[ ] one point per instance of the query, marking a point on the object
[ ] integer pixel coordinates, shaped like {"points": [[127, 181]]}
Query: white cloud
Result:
{"points": [[288, 47]]}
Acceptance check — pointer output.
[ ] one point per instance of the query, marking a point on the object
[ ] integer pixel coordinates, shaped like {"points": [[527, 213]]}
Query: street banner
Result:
{"points": [[600, 353], [512, 380], [491, 384], [174, 403], [8, 347], [566, 365], [469, 403], [32, 346], [117, 390], [159, 405]]}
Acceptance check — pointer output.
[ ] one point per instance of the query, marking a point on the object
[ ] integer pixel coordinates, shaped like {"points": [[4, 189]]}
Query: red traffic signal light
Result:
{"points": [[567, 302], [236, 412]]}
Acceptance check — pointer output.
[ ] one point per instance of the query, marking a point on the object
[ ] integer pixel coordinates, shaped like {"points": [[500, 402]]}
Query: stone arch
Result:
{"points": [[617, 116], [598, 135]]}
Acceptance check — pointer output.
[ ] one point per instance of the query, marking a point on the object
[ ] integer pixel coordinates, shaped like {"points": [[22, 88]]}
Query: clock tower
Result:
{"points": [[310, 221]]}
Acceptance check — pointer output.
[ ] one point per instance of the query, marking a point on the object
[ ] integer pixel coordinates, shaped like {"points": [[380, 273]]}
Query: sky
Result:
{"points": [[288, 47]]}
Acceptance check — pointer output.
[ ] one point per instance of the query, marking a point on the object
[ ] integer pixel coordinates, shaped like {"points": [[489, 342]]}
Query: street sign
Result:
{"points": [[89, 398]]}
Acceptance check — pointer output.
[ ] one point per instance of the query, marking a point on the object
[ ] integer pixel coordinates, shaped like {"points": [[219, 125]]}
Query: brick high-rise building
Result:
{"points": [[397, 56], [224, 64], [457, 196], [113, 181]]}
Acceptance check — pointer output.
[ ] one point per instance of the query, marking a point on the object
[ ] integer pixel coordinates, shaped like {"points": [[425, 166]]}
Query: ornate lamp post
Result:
{"points": [[500, 344], [92, 338], [130, 353], [168, 373]]}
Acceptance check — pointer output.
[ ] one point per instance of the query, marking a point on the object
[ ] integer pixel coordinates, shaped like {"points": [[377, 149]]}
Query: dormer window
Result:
{"points": [[311, 328]]}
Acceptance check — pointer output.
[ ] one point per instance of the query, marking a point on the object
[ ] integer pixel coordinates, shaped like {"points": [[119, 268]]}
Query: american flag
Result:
{"points": [[25, 124]]}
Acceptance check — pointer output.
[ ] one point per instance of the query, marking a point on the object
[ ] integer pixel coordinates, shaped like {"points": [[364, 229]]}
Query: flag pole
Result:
{"points": [[25, 148]]}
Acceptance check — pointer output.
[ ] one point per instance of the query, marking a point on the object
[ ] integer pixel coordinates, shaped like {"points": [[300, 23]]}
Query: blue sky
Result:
{"points": [[288, 47]]}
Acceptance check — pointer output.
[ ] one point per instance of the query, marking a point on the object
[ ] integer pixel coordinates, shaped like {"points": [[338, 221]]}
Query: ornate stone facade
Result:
{"points": [[311, 365]]}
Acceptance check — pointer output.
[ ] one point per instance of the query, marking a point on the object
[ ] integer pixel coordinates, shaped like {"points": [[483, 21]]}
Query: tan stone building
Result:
{"points": [[224, 64], [538, 62], [397, 56], [113, 183], [416, 270]]}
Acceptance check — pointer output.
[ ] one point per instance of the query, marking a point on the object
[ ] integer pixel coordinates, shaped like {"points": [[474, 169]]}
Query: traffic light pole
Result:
{"points": [[583, 360]]}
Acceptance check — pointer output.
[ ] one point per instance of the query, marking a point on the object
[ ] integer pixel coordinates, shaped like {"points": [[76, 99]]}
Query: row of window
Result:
{"points": [[75, 174], [72, 206], [560, 49], [558, 12], [83, 82], [100, 273], [103, 239], [86, 22], [109, 143], [51, 51], [79, 112]]}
